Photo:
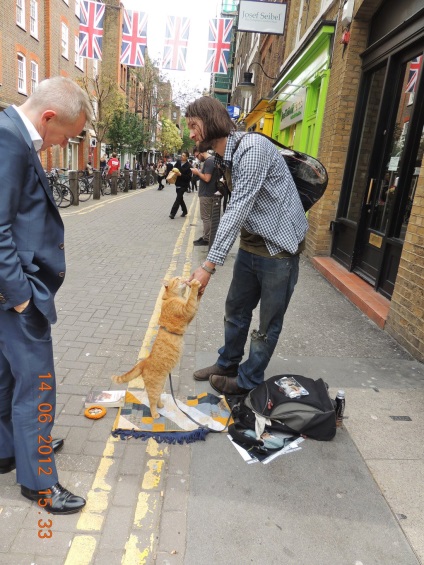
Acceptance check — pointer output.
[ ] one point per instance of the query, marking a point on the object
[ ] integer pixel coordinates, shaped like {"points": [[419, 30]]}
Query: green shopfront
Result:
{"points": [[300, 93]]}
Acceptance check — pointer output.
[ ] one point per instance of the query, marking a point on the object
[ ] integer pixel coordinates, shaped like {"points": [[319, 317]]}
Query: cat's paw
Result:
{"points": [[155, 415], [194, 283], [117, 379]]}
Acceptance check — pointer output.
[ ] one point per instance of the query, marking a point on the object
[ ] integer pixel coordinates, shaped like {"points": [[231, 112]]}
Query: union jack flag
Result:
{"points": [[91, 29], [176, 41], [219, 45], [134, 38], [414, 69]]}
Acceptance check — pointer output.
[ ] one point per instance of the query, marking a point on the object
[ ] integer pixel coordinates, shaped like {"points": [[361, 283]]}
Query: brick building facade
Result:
{"points": [[39, 39], [369, 135]]}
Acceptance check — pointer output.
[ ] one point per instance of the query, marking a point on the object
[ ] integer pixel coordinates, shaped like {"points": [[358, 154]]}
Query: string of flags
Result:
{"points": [[134, 39]]}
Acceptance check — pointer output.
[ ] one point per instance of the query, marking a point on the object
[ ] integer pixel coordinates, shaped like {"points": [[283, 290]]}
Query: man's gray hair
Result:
{"points": [[62, 95]]}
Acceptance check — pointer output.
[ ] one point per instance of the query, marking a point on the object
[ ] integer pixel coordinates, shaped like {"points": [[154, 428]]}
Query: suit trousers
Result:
{"points": [[27, 396]]}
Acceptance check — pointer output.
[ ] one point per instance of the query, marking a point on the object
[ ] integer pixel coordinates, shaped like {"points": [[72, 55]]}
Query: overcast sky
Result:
{"points": [[199, 12]]}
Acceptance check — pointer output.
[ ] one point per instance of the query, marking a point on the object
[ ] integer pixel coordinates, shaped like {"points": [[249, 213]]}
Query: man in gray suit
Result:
{"points": [[32, 268]]}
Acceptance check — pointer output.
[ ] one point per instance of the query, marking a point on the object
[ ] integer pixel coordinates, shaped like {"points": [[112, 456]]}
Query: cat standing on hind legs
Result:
{"points": [[176, 313]]}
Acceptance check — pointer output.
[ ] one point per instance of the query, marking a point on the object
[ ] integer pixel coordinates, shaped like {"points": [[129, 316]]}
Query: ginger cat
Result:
{"points": [[176, 313]]}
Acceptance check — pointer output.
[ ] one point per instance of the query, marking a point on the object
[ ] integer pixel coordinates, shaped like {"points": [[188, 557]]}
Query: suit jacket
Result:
{"points": [[32, 257]]}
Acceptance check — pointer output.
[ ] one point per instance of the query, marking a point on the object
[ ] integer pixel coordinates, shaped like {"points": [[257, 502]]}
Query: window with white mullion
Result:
{"points": [[65, 41], [20, 13], [22, 88], [33, 18], [34, 76]]}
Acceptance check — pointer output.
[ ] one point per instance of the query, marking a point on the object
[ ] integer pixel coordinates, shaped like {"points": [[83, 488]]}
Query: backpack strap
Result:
{"points": [[274, 141]]}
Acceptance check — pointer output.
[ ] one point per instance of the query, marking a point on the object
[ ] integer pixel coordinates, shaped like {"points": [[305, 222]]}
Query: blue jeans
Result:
{"points": [[270, 281]]}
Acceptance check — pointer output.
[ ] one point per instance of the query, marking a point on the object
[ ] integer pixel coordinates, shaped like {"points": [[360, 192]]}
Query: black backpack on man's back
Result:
{"points": [[309, 174]]}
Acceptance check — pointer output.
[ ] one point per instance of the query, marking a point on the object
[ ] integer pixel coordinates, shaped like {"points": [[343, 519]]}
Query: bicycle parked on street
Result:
{"points": [[59, 186]]}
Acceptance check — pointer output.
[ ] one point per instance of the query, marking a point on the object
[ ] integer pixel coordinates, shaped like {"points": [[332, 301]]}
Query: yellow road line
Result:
{"points": [[99, 204], [139, 548], [92, 517]]}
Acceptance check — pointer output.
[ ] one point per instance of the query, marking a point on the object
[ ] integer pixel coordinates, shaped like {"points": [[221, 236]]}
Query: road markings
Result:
{"points": [[147, 512], [95, 205]]}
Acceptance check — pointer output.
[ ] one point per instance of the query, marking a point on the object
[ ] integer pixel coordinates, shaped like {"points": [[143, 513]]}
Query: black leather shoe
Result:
{"points": [[171, 216], [200, 242], [8, 464], [57, 444], [61, 500], [227, 385], [183, 215]]}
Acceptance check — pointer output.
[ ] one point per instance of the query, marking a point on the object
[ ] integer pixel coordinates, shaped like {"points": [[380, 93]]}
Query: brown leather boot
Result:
{"points": [[204, 374]]}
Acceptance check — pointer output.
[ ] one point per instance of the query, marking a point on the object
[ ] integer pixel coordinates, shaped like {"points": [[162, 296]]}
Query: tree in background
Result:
{"points": [[185, 134], [128, 132], [106, 100], [168, 140]]}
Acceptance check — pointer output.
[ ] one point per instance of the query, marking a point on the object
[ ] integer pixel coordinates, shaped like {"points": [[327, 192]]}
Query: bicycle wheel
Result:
{"points": [[120, 184], [67, 196], [106, 187], [85, 189], [57, 194]]}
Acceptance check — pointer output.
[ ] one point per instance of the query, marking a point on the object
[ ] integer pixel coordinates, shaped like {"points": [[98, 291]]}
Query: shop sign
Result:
{"points": [[375, 240], [293, 110], [261, 17], [234, 112]]}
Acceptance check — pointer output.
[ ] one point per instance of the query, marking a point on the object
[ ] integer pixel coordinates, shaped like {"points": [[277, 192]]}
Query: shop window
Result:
{"points": [[291, 136], [376, 82]]}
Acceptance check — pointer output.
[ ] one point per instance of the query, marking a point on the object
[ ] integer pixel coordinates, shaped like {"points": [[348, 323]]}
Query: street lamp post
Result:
{"points": [[247, 86]]}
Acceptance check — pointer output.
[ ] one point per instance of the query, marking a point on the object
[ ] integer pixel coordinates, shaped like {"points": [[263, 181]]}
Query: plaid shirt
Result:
{"points": [[264, 199]]}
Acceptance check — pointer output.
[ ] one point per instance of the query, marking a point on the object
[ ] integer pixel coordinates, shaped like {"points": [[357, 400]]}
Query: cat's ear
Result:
{"points": [[165, 283]]}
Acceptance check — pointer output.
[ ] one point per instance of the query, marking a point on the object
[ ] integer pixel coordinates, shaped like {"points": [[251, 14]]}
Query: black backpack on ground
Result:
{"points": [[312, 415]]}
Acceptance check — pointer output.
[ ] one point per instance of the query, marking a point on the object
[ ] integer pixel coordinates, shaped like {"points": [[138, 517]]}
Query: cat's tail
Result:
{"points": [[135, 372]]}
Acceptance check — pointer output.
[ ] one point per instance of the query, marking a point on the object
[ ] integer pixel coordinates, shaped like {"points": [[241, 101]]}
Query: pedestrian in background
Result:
{"points": [[113, 164], [207, 188], [181, 184], [266, 207], [103, 162], [161, 172], [32, 268], [196, 164]]}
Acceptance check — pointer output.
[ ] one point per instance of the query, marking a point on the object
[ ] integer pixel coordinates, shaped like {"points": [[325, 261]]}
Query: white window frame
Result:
{"points": [[20, 13], [325, 4], [79, 61], [33, 18], [65, 41], [78, 8], [34, 76], [22, 81], [66, 2]]}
